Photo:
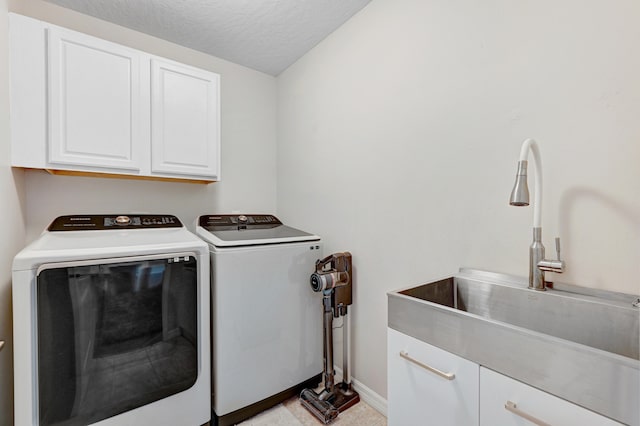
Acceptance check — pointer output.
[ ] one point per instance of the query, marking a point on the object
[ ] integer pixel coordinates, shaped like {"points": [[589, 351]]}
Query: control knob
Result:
{"points": [[123, 220]]}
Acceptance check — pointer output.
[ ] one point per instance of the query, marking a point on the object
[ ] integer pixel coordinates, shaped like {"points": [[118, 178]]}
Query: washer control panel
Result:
{"points": [[113, 222], [227, 221]]}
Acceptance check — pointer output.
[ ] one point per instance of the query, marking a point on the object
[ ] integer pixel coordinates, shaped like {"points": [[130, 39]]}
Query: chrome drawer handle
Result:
{"points": [[448, 376], [511, 406], [1, 344]]}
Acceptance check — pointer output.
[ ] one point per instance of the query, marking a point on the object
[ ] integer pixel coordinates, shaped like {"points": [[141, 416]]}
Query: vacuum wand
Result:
{"points": [[333, 278]]}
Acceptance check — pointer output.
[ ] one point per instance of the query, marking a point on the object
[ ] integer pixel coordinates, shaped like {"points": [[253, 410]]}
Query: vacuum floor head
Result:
{"points": [[323, 410], [327, 405]]}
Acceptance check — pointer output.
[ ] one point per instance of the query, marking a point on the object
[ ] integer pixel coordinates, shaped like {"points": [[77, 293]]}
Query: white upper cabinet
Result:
{"points": [[184, 124], [94, 102], [83, 105]]}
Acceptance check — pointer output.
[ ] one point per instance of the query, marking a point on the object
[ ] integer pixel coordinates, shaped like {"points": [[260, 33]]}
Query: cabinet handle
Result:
{"points": [[448, 376], [511, 406], [1, 344]]}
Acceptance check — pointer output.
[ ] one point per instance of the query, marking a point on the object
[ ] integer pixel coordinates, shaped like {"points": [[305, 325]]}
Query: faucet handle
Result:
{"points": [[553, 265]]}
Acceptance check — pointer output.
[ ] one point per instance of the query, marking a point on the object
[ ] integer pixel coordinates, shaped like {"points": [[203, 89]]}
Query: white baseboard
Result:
{"points": [[377, 402]]}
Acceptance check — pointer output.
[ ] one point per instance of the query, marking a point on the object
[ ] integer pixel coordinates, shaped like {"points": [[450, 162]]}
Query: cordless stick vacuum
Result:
{"points": [[333, 278]]}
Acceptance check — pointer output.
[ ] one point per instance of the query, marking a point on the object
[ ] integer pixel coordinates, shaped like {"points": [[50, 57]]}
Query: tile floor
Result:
{"points": [[291, 413]]}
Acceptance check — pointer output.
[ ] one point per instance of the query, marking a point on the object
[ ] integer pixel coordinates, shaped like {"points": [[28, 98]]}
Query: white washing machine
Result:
{"points": [[266, 319], [111, 324]]}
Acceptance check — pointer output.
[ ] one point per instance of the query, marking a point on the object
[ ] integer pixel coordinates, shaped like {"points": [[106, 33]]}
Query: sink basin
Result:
{"points": [[579, 344], [606, 323]]}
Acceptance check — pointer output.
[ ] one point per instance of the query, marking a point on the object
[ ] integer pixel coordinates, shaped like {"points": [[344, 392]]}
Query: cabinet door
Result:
{"points": [[184, 120], [94, 101], [508, 402], [419, 396]]}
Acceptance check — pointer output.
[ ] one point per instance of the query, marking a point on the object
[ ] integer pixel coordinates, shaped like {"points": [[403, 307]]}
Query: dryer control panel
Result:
{"points": [[113, 222]]}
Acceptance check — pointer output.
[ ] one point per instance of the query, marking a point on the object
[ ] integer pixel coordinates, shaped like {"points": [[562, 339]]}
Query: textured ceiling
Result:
{"points": [[266, 35]]}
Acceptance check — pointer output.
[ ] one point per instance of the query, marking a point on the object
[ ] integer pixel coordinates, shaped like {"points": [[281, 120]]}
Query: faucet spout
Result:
{"points": [[520, 193]]}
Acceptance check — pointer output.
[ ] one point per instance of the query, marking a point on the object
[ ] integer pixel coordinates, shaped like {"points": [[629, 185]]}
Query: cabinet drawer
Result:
{"points": [[508, 402], [429, 386]]}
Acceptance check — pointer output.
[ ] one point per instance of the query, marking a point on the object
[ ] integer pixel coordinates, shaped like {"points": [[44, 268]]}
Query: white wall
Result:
{"points": [[399, 134], [248, 126], [11, 228]]}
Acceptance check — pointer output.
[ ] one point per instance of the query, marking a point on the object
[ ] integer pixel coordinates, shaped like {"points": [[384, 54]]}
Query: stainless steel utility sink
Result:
{"points": [[579, 344]]}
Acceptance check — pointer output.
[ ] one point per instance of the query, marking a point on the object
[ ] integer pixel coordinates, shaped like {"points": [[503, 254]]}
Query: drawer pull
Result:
{"points": [[1, 344], [448, 376], [511, 406]]}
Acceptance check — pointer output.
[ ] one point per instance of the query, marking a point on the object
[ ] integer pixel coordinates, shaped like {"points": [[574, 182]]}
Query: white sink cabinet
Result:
{"points": [[83, 105], [418, 396], [528, 405]]}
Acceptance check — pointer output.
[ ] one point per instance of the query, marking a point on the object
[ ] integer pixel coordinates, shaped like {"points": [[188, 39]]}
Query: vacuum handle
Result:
{"points": [[338, 262]]}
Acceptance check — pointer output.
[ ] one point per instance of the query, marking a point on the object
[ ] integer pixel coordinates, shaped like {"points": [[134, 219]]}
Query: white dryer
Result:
{"points": [[266, 319], [111, 324]]}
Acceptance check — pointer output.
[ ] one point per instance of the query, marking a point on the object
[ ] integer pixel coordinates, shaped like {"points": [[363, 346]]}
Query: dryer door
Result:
{"points": [[113, 335]]}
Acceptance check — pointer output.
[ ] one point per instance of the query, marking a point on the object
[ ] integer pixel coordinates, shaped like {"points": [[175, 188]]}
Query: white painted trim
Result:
{"points": [[367, 395]]}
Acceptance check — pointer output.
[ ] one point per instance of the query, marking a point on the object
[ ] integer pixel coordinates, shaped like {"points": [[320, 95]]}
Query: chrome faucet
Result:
{"points": [[520, 197]]}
